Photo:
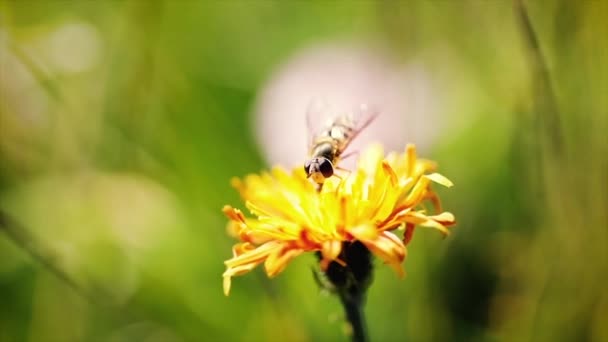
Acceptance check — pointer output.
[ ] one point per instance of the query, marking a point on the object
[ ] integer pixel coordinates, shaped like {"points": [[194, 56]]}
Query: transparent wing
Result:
{"points": [[321, 117], [359, 118]]}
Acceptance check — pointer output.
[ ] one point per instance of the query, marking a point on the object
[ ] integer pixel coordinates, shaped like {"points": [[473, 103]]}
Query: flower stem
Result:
{"points": [[353, 308], [351, 281]]}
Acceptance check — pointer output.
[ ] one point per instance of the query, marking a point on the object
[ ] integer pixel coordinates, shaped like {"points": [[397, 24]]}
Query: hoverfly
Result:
{"points": [[328, 143]]}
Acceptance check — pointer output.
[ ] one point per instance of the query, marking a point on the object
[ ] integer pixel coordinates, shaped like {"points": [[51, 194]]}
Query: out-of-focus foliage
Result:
{"points": [[122, 122]]}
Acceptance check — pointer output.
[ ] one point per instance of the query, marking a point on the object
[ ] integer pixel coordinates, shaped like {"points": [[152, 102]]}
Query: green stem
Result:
{"points": [[351, 282], [545, 101], [28, 243], [353, 308]]}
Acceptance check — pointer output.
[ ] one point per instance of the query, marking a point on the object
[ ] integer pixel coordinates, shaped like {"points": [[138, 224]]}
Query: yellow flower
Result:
{"points": [[380, 196]]}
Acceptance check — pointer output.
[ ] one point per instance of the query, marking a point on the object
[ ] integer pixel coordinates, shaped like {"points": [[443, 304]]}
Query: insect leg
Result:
{"points": [[349, 154], [347, 171]]}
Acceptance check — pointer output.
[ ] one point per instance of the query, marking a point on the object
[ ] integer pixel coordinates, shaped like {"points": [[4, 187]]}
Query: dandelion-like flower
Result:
{"points": [[383, 195]]}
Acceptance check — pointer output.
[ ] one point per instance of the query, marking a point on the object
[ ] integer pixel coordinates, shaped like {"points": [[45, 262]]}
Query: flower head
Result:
{"points": [[381, 196]]}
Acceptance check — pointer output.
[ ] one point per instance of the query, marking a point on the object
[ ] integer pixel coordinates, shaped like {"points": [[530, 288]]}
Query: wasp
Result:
{"points": [[328, 143]]}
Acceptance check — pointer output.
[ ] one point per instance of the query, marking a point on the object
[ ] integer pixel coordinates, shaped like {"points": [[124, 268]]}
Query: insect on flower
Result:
{"points": [[331, 137], [381, 197]]}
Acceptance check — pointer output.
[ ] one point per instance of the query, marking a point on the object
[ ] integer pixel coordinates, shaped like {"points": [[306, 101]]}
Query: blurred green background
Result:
{"points": [[115, 161]]}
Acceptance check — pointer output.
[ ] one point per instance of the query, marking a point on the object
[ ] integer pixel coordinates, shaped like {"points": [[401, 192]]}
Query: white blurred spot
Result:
{"points": [[24, 103], [74, 47], [345, 76], [99, 227]]}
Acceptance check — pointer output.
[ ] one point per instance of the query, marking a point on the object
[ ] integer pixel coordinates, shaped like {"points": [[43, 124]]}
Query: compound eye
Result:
{"points": [[307, 167], [326, 168]]}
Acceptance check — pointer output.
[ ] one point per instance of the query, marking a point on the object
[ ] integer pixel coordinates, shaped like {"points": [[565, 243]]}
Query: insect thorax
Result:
{"points": [[325, 148]]}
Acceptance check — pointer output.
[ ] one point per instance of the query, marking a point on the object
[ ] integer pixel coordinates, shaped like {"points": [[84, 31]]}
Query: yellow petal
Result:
{"points": [[371, 158], [234, 271], [242, 248], [331, 249], [417, 193], [233, 214], [388, 247], [278, 260], [410, 152], [445, 217], [390, 172], [226, 285], [438, 178], [258, 254], [396, 219], [365, 232], [425, 221], [240, 269]]}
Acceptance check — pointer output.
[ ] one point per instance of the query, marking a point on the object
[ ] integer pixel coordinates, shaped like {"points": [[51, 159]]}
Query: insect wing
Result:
{"points": [[319, 119], [358, 119]]}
